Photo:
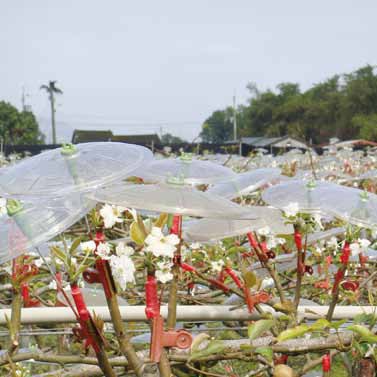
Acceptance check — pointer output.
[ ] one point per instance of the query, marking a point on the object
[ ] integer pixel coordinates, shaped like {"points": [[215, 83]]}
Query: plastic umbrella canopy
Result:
{"points": [[310, 196], [207, 230], [174, 199], [243, 184], [355, 206], [73, 168], [190, 171], [33, 223]]}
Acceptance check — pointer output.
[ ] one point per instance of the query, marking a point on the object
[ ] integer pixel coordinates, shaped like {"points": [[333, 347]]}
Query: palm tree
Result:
{"points": [[52, 89]]}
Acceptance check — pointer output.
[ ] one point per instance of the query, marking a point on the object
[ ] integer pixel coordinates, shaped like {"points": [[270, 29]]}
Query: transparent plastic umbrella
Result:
{"points": [[309, 195], [73, 168], [243, 184], [193, 172], [174, 199], [206, 230], [33, 223], [355, 206]]}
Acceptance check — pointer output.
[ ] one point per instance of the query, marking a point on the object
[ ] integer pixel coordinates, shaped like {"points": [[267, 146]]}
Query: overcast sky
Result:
{"points": [[142, 66]]}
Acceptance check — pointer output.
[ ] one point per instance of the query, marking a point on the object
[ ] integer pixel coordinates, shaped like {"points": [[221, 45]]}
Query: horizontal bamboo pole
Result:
{"points": [[184, 313]]}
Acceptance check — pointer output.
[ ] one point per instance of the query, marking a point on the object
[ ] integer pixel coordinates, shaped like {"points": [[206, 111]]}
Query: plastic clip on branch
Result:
{"points": [[160, 339]]}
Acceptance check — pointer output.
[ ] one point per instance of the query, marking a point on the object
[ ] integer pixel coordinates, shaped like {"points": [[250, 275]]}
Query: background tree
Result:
{"points": [[168, 139], [51, 89], [344, 106], [18, 127]]}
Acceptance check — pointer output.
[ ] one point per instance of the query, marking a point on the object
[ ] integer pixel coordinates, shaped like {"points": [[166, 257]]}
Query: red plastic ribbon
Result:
{"points": [[234, 277], [152, 309], [346, 252], [218, 284], [176, 227], [79, 302], [187, 267], [252, 241], [84, 317], [298, 239], [326, 363]]}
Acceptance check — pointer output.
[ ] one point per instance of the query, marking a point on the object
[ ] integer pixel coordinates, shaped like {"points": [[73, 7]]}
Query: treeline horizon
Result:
{"points": [[343, 106]]}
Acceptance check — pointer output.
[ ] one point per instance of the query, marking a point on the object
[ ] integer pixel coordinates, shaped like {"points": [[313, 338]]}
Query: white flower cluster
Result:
{"points": [[360, 246], [111, 215], [272, 241], [122, 266], [160, 245], [163, 247], [291, 210]]}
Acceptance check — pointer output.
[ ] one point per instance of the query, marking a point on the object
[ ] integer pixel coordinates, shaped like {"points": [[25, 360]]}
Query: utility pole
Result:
{"points": [[25, 106], [51, 89], [52, 105], [234, 119]]}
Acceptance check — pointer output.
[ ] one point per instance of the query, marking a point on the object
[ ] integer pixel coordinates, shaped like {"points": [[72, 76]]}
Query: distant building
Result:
{"points": [[285, 142], [87, 136], [137, 139]]}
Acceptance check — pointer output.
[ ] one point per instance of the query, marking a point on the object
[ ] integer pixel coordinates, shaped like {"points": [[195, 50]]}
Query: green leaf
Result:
{"points": [[213, 347], [337, 324], [249, 278], [320, 325], [365, 334], [58, 253], [136, 233], [75, 245], [259, 327], [266, 352], [295, 332], [161, 221]]}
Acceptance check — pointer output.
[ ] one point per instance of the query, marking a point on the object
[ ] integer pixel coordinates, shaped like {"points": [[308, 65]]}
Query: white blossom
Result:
{"points": [[53, 285], [123, 249], [123, 269], [103, 250], [364, 243], [266, 230], [291, 209], [195, 246], [355, 248], [38, 262], [163, 273], [111, 215], [217, 266], [160, 245], [88, 247], [332, 243]]}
